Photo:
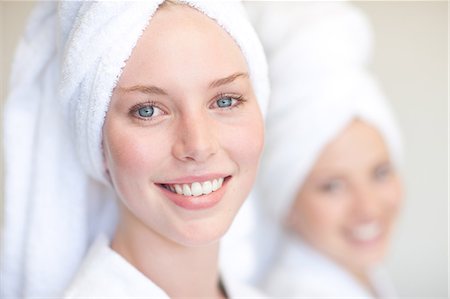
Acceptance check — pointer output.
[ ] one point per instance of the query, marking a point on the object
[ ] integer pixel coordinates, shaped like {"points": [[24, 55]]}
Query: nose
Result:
{"points": [[366, 202], [196, 138]]}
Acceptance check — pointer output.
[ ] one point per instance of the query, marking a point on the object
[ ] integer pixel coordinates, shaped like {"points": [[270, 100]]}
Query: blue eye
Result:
{"points": [[146, 111], [224, 102]]}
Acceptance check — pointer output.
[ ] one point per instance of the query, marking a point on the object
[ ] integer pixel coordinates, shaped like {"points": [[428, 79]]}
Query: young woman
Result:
{"points": [[340, 219], [141, 140]]}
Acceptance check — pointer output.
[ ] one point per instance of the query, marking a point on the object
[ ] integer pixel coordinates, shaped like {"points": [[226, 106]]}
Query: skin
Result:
{"points": [[182, 53], [352, 184]]}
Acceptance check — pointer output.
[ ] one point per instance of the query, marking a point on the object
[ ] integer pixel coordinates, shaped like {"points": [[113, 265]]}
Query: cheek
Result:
{"points": [[319, 217], [130, 154], [393, 193], [125, 154], [245, 141]]}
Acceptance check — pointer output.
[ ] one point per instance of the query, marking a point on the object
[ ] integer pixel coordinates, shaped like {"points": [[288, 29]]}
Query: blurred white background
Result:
{"points": [[411, 63]]}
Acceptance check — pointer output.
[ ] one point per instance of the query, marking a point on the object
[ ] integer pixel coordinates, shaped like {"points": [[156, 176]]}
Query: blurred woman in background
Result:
{"points": [[328, 188], [337, 227]]}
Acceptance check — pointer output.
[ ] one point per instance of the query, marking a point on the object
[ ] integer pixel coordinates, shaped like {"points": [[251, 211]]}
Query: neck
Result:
{"points": [[362, 276], [181, 271]]}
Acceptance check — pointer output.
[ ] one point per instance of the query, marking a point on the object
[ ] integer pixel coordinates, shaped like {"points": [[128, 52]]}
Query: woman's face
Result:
{"points": [[348, 204], [184, 133]]}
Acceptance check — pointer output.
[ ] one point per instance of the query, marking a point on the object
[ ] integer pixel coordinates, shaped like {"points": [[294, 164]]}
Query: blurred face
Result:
{"points": [[348, 204], [184, 133]]}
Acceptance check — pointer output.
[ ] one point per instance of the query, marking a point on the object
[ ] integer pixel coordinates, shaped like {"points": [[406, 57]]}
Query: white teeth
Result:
{"points": [[366, 232], [187, 190], [215, 185], [178, 189], [207, 187], [196, 188]]}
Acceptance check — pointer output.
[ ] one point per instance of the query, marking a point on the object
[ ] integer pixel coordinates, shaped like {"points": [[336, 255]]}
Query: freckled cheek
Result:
{"points": [[245, 143], [131, 155]]}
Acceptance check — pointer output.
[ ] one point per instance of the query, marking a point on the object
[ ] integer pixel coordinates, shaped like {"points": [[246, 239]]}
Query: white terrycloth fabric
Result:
{"points": [[57, 197]]}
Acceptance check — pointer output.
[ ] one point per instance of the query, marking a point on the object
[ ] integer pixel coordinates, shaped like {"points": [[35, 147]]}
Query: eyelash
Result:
{"points": [[134, 110], [239, 98]]}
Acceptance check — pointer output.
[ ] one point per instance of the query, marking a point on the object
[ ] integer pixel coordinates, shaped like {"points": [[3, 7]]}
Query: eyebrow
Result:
{"points": [[150, 89], [226, 80]]}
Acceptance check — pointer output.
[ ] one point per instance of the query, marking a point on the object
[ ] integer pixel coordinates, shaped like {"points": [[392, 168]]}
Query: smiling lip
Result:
{"points": [[195, 202], [192, 179], [368, 235]]}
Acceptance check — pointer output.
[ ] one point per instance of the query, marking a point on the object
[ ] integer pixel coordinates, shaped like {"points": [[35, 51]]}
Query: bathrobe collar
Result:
{"points": [[303, 271], [106, 274]]}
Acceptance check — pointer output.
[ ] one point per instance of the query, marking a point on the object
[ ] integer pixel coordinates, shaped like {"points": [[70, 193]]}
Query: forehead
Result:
{"points": [[182, 43], [358, 145]]}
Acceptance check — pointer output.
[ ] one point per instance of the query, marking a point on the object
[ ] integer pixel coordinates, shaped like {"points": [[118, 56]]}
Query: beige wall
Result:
{"points": [[12, 22], [411, 62], [12, 18]]}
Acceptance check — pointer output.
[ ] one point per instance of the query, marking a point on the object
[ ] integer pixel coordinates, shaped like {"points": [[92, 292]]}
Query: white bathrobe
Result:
{"points": [[303, 272], [106, 274]]}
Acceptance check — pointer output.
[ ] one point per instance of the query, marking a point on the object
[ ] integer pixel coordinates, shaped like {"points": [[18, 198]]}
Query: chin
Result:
{"points": [[367, 260], [201, 234]]}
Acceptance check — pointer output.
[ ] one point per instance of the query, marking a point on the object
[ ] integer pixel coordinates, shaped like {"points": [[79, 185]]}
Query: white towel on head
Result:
{"points": [[304, 119], [320, 83], [57, 197]]}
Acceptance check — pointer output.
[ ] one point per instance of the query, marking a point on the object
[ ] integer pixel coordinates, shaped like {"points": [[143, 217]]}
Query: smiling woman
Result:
{"points": [[348, 204], [130, 186], [179, 134]]}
